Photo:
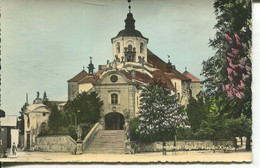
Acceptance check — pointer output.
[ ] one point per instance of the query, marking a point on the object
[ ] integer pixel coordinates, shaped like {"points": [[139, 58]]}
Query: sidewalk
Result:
{"points": [[191, 156]]}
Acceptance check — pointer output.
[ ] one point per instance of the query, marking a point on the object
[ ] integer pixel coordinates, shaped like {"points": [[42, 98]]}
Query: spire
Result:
{"points": [[91, 67], [26, 98], [169, 65], [169, 61], [129, 1], [129, 21], [44, 95]]}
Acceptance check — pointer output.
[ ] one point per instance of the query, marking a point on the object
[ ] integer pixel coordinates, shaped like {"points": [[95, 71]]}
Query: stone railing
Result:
{"points": [[55, 143], [182, 145], [90, 136]]}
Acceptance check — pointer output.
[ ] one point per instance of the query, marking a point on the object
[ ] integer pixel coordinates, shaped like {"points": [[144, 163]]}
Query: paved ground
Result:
{"points": [[191, 156]]}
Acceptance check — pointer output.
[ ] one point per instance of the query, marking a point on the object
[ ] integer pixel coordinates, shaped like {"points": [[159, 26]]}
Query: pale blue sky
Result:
{"points": [[47, 42]]}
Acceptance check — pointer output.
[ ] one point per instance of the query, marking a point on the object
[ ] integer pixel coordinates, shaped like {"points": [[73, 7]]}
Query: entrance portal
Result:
{"points": [[114, 121]]}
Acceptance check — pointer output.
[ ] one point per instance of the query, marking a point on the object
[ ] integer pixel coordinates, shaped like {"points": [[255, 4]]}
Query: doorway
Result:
{"points": [[28, 140], [114, 121]]}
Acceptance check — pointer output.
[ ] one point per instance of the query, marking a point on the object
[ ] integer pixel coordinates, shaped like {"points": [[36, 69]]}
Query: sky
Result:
{"points": [[47, 42]]}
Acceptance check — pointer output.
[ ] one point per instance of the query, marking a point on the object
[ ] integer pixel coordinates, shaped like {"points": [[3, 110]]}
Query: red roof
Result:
{"points": [[189, 75], [160, 64], [88, 79], [79, 76]]}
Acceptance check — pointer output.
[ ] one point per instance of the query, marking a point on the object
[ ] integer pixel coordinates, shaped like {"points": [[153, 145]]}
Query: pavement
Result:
{"points": [[180, 156]]}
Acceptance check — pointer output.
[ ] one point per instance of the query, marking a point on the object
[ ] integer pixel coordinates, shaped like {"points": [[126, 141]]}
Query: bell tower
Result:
{"points": [[129, 44]]}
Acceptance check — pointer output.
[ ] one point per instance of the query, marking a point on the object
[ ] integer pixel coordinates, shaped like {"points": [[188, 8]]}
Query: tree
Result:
{"points": [[229, 70], [197, 110], [84, 110], [233, 17], [86, 107], [20, 122], [160, 113]]}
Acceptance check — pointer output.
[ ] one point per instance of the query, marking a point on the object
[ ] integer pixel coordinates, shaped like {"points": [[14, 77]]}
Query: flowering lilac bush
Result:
{"points": [[238, 69]]}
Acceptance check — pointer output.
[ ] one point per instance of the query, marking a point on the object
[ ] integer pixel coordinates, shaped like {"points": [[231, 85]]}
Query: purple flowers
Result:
{"points": [[238, 71]]}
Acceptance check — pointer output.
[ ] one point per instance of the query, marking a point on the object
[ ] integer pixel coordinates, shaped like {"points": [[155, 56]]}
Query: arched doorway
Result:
{"points": [[114, 121]]}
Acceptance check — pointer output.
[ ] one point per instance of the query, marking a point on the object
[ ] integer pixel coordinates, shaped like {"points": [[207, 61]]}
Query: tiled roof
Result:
{"points": [[189, 75], [79, 76], [160, 64], [89, 79]]}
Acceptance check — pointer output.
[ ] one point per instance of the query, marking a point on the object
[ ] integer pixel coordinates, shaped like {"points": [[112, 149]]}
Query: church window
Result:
{"points": [[113, 78], [141, 47], [129, 47], [114, 98], [43, 114], [118, 47]]}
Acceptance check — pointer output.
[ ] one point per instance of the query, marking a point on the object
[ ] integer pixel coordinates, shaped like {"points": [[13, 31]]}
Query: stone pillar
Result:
{"points": [[79, 147]]}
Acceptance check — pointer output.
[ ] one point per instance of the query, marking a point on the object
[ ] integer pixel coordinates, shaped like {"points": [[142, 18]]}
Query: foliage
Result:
{"points": [[228, 73], [233, 17], [238, 69], [197, 110], [159, 115], [20, 122], [84, 110], [86, 107]]}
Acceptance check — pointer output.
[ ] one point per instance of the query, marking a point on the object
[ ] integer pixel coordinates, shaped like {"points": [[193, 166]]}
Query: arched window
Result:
{"points": [[141, 47], [114, 98], [28, 122], [129, 47], [118, 47]]}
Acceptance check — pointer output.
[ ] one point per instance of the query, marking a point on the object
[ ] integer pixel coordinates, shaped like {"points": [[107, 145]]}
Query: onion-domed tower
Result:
{"points": [[129, 45]]}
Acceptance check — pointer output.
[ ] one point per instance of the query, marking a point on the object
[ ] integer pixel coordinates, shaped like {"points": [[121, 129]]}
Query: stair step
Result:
{"points": [[107, 141]]}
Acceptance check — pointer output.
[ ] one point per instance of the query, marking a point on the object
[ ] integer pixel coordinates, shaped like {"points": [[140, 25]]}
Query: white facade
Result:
{"points": [[137, 43], [35, 118]]}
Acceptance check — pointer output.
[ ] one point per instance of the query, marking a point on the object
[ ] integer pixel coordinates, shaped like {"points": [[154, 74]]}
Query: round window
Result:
{"points": [[113, 78]]}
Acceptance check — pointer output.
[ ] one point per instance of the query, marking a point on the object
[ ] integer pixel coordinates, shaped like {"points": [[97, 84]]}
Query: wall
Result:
{"points": [[181, 145], [126, 94], [3, 141], [73, 90], [36, 119], [185, 93], [55, 143], [196, 87], [84, 87], [14, 136], [135, 42]]}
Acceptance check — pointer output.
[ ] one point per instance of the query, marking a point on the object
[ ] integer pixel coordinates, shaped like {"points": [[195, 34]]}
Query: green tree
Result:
{"points": [[224, 71], [20, 122], [197, 111], [86, 107], [160, 113]]}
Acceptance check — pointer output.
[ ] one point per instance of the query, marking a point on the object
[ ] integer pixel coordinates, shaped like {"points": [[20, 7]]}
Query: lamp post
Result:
{"points": [[76, 121]]}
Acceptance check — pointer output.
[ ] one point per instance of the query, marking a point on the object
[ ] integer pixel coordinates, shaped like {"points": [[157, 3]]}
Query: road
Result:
{"points": [[191, 156]]}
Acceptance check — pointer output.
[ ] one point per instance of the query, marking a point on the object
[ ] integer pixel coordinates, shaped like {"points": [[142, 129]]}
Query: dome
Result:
{"points": [[129, 28]]}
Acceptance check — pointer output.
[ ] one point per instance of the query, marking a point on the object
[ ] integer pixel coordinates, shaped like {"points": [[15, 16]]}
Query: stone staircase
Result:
{"points": [[107, 141]]}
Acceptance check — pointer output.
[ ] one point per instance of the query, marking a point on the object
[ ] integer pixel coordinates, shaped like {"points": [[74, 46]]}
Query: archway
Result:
{"points": [[114, 121]]}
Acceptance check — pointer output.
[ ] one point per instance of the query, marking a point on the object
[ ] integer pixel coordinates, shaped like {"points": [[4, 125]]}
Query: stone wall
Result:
{"points": [[55, 143], [182, 145]]}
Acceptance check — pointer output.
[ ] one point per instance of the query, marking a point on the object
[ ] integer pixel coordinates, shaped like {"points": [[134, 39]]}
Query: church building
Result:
{"points": [[118, 82]]}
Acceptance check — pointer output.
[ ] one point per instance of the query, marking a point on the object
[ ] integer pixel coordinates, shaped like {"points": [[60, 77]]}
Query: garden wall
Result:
{"points": [[182, 145], [55, 143]]}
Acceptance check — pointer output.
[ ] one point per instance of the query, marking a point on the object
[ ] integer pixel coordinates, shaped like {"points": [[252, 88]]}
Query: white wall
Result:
{"points": [[134, 41]]}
